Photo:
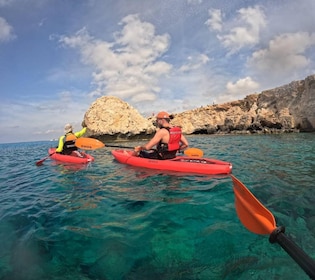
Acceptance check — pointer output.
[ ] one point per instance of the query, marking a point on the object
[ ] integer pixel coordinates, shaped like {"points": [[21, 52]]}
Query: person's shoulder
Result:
{"points": [[164, 129], [161, 132]]}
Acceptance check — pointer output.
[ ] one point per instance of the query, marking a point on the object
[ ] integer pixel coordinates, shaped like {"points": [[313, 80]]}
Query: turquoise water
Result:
{"points": [[110, 221]]}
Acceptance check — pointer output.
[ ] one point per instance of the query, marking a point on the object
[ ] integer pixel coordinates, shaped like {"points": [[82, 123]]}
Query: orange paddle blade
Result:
{"points": [[253, 215], [193, 152], [88, 143]]}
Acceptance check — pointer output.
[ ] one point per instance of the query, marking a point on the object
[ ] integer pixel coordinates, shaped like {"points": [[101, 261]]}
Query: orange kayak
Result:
{"points": [[185, 164]]}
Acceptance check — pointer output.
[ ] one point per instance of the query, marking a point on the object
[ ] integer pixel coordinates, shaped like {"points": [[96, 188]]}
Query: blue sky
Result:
{"points": [[57, 57]]}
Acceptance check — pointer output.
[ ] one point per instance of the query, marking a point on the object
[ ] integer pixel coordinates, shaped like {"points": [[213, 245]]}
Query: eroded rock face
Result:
{"points": [[284, 109], [237, 115], [109, 115]]}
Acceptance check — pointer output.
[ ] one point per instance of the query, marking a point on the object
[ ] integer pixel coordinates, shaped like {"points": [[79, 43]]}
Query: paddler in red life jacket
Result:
{"points": [[168, 140], [66, 145]]}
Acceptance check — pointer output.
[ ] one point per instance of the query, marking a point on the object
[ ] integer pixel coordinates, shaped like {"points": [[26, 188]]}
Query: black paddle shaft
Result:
{"points": [[118, 146], [296, 253]]}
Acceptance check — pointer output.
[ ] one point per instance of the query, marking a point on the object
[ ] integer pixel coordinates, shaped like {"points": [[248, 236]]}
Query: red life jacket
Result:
{"points": [[173, 143], [175, 135]]}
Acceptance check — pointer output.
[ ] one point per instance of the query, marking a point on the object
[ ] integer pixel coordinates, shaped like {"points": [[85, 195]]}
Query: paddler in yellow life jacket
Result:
{"points": [[168, 140], [66, 145]]}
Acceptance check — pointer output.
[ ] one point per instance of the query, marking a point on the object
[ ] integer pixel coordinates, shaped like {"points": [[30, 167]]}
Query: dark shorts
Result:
{"points": [[150, 154], [68, 151], [153, 154]]}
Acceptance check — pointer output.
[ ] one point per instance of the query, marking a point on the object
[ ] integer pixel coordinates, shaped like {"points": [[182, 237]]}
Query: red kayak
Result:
{"points": [[86, 158], [185, 164]]}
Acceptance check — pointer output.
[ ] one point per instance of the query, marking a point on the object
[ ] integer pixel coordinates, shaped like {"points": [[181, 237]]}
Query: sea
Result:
{"points": [[108, 221]]}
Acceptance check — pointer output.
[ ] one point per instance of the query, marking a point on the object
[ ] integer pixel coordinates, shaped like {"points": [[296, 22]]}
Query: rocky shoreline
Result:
{"points": [[286, 109]]}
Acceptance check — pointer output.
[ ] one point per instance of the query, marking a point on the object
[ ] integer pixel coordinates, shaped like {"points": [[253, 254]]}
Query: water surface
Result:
{"points": [[106, 220]]}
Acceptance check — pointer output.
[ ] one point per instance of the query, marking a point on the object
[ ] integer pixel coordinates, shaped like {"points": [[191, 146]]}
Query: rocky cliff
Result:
{"points": [[284, 109]]}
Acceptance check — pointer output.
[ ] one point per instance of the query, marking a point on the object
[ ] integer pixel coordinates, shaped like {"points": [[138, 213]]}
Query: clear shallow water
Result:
{"points": [[111, 221]]}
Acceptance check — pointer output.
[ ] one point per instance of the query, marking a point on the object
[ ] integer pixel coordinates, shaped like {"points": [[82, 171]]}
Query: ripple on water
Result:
{"points": [[110, 221]]}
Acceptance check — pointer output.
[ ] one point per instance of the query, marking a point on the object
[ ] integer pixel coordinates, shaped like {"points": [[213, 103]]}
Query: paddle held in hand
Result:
{"points": [[92, 144]]}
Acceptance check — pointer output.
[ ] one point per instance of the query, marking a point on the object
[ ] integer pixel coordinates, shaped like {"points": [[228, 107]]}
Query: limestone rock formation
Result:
{"points": [[284, 109], [112, 117]]}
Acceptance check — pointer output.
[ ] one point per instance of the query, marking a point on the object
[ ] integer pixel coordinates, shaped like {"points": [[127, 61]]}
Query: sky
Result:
{"points": [[58, 57]]}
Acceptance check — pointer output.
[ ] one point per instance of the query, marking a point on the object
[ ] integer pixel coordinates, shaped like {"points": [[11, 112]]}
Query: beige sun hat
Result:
{"points": [[68, 128]]}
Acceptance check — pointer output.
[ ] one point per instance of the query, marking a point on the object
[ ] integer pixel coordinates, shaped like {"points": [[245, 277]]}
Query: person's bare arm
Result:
{"points": [[184, 143], [154, 141]]}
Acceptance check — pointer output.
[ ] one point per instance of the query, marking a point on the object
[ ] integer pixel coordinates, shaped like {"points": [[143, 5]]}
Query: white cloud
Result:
{"points": [[5, 2], [6, 31], [129, 67], [194, 2], [194, 62], [183, 69], [284, 55], [242, 86], [42, 22], [215, 20], [250, 22]]}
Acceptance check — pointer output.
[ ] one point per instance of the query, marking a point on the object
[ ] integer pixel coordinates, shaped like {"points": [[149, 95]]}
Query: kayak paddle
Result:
{"points": [[40, 162], [92, 144], [258, 219], [193, 152]]}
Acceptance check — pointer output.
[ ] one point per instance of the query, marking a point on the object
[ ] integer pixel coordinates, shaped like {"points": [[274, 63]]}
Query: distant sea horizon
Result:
{"points": [[113, 138], [107, 220]]}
